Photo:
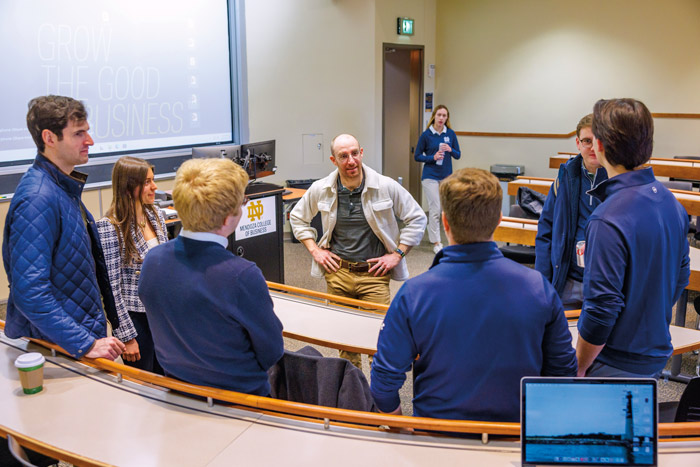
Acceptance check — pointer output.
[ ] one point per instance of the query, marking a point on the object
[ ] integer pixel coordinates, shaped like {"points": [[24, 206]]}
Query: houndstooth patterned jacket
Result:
{"points": [[125, 279]]}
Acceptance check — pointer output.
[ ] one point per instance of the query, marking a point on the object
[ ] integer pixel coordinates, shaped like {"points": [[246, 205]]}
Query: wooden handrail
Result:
{"points": [[516, 135], [325, 297], [673, 159], [317, 413], [675, 115], [338, 415], [295, 408], [330, 413], [49, 450], [572, 314], [519, 220], [525, 177], [665, 159], [498, 134]]}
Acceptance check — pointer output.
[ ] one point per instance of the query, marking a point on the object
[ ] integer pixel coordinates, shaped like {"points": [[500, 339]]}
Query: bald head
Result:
{"points": [[343, 139], [346, 154]]}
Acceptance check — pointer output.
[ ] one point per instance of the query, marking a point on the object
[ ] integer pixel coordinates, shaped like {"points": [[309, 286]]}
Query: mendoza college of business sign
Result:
{"points": [[258, 218]]}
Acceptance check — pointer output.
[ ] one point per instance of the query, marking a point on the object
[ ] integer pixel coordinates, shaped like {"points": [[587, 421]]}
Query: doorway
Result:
{"points": [[402, 108]]}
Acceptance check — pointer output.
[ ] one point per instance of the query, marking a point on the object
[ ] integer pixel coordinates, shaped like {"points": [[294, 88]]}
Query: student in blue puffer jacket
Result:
{"points": [[51, 250]]}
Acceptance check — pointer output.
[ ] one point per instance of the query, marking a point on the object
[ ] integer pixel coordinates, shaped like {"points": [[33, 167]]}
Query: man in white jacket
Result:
{"points": [[362, 247]]}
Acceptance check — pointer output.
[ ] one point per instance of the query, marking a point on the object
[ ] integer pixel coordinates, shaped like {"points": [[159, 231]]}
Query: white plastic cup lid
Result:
{"points": [[29, 360]]}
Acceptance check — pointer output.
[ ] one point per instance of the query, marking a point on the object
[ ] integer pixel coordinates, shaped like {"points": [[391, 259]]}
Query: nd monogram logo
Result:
{"points": [[255, 210]]}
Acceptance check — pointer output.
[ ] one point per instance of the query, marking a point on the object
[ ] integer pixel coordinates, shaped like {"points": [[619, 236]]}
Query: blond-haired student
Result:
{"points": [[210, 311]]}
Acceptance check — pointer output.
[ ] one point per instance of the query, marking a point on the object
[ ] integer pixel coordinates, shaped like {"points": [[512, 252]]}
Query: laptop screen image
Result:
{"points": [[588, 421]]}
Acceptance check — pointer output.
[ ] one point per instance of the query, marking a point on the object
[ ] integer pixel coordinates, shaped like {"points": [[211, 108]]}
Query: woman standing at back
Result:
{"points": [[133, 225], [437, 146]]}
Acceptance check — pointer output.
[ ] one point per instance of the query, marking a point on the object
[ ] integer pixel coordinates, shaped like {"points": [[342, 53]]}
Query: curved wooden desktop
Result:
{"points": [[104, 411], [524, 232], [690, 200], [688, 169]]}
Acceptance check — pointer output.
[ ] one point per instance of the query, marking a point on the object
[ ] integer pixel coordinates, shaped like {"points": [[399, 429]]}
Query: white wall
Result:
{"points": [[423, 12], [314, 66], [539, 66]]}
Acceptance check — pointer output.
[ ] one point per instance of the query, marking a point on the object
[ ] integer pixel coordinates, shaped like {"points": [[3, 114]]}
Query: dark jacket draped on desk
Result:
{"points": [[308, 377]]}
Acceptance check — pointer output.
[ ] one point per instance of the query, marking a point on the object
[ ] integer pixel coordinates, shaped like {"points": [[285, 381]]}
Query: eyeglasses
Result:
{"points": [[342, 158], [245, 201], [586, 142]]}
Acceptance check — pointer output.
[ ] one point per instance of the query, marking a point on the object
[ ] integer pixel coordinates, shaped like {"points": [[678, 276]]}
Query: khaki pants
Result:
{"points": [[360, 286], [431, 188]]}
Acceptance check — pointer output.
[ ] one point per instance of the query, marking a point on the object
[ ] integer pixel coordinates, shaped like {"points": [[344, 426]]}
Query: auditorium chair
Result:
{"points": [[685, 410], [687, 186], [693, 183], [522, 254]]}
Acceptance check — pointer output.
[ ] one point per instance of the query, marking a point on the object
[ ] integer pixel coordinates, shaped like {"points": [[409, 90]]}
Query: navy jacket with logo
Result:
{"points": [[636, 266]]}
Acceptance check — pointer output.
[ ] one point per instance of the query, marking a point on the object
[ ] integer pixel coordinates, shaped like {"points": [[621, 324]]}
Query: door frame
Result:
{"points": [[414, 167]]}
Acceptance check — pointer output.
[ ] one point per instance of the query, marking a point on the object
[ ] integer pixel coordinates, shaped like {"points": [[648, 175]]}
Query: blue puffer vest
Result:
{"points": [[55, 265]]}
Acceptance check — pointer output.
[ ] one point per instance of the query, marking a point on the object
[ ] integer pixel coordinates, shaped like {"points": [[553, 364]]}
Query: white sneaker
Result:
{"points": [[437, 247]]}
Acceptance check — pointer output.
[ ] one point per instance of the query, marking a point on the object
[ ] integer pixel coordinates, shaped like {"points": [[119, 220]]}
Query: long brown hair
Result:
{"points": [[128, 177], [432, 117]]}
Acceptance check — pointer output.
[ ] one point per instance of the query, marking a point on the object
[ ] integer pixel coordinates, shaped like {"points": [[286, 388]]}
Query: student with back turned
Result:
{"points": [[636, 256], [210, 311], [477, 321]]}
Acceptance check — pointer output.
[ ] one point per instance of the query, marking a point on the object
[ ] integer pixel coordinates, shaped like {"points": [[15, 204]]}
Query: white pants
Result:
{"points": [[432, 194]]}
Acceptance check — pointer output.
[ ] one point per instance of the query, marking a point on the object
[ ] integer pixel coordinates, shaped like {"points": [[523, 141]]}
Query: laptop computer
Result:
{"points": [[588, 421]]}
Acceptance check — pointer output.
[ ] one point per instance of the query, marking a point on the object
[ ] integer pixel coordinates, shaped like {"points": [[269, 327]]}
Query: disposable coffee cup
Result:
{"points": [[31, 372], [580, 253]]}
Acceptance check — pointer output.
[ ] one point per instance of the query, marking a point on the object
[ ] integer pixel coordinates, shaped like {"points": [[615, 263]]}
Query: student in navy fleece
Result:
{"points": [[477, 321], [636, 260], [436, 147], [209, 310]]}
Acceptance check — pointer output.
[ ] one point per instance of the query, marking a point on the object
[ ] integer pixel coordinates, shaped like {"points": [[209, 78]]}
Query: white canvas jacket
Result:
{"points": [[383, 200]]}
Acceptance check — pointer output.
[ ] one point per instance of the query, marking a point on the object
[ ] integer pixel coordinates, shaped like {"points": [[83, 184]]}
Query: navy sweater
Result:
{"points": [[211, 316], [479, 322], [428, 145], [636, 266]]}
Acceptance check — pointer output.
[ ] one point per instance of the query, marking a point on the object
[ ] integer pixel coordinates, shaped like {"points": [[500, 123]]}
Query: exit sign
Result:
{"points": [[404, 26]]}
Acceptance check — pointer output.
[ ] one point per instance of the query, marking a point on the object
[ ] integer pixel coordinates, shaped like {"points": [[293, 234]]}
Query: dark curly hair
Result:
{"points": [[52, 113]]}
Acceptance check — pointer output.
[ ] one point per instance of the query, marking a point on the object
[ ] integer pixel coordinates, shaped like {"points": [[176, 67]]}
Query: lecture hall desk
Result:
{"points": [[350, 329], [690, 200], [121, 422], [688, 169]]}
